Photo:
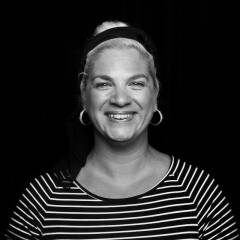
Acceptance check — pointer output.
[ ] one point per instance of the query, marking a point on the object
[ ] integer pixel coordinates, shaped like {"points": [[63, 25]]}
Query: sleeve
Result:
{"points": [[215, 217], [25, 222]]}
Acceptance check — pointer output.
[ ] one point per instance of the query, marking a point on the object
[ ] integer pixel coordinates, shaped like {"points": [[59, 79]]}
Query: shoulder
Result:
{"points": [[49, 183], [181, 168], [196, 181], [213, 211], [183, 173], [197, 185]]}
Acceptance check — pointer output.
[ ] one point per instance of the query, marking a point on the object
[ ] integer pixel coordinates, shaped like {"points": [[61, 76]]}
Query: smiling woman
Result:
{"points": [[120, 96], [125, 189]]}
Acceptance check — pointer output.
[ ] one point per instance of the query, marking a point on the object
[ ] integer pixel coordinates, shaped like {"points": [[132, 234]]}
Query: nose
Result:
{"points": [[120, 97]]}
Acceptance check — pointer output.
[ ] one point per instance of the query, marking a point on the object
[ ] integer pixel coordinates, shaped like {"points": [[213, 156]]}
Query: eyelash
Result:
{"points": [[134, 84], [102, 85], [140, 84]]}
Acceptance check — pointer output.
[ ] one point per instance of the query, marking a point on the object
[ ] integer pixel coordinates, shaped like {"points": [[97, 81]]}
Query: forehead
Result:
{"points": [[113, 60]]}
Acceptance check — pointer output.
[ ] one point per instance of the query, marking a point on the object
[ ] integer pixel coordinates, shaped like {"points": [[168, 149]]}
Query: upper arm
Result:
{"points": [[215, 216]]}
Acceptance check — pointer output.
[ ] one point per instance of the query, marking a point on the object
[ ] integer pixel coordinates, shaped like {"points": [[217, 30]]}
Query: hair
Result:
{"points": [[107, 25], [116, 43]]}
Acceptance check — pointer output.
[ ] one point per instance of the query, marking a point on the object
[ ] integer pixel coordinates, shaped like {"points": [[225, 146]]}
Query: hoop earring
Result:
{"points": [[160, 118], [81, 118]]}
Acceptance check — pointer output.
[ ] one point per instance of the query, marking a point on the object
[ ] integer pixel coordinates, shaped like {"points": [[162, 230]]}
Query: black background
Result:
{"points": [[198, 45]]}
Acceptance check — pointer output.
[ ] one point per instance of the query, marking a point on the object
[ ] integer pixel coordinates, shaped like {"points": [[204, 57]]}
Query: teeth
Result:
{"points": [[120, 116]]}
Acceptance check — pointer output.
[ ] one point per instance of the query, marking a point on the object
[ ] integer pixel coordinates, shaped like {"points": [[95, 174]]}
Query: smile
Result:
{"points": [[120, 116]]}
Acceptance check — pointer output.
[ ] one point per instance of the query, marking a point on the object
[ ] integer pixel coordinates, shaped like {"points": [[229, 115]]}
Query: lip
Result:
{"points": [[120, 116]]}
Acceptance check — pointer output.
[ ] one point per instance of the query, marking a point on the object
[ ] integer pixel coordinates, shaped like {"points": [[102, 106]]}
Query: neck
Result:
{"points": [[120, 161]]}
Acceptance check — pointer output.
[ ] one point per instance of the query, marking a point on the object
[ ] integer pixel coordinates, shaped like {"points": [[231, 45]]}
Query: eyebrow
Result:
{"points": [[134, 77]]}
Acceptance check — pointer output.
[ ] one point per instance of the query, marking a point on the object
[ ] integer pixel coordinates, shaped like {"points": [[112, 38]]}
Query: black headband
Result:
{"points": [[119, 32]]}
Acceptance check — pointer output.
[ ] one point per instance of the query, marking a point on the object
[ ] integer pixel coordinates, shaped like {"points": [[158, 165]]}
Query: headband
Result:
{"points": [[119, 32]]}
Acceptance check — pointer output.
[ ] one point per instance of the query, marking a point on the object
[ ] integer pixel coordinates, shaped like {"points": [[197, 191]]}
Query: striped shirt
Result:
{"points": [[186, 204]]}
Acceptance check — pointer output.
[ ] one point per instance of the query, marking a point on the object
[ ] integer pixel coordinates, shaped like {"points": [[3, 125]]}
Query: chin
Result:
{"points": [[120, 136]]}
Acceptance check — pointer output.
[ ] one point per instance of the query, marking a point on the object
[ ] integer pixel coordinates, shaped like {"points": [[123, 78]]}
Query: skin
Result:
{"points": [[120, 83], [120, 100]]}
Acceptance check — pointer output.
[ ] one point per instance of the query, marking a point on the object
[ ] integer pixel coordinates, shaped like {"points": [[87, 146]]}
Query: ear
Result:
{"points": [[83, 93], [82, 87], [156, 92]]}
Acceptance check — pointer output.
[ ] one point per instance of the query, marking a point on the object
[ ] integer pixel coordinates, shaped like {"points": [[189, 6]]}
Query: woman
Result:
{"points": [[120, 187]]}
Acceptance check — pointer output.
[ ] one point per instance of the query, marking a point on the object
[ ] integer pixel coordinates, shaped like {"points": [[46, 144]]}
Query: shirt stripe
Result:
{"points": [[186, 204]]}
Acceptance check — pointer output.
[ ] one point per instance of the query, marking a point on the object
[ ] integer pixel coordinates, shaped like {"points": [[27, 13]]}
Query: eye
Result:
{"points": [[137, 85], [103, 85]]}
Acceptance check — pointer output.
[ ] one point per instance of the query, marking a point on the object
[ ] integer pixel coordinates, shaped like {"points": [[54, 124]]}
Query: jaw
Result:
{"points": [[121, 126], [122, 131], [119, 141]]}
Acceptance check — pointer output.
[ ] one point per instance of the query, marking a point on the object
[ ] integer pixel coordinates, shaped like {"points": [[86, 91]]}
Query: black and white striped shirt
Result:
{"points": [[186, 204]]}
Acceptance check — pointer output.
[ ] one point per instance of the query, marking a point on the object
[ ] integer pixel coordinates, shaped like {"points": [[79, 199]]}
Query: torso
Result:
{"points": [[102, 187]]}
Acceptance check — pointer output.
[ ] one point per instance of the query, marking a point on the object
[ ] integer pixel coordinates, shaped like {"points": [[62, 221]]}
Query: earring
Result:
{"points": [[160, 118], [81, 117]]}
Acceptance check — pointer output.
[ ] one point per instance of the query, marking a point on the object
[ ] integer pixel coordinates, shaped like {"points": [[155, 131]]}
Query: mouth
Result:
{"points": [[120, 117]]}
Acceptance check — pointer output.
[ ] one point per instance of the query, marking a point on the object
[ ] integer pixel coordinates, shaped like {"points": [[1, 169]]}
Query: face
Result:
{"points": [[120, 97]]}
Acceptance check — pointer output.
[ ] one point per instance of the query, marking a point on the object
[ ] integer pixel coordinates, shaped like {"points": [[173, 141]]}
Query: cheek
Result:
{"points": [[94, 100], [148, 101]]}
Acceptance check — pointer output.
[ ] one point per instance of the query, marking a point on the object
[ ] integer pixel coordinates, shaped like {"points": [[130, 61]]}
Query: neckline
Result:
{"points": [[127, 199]]}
